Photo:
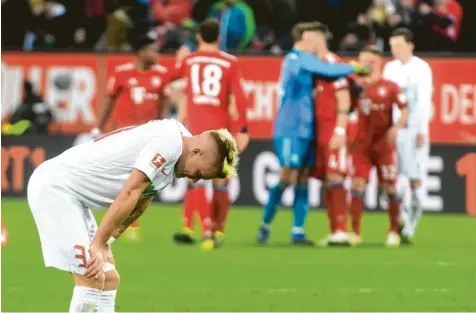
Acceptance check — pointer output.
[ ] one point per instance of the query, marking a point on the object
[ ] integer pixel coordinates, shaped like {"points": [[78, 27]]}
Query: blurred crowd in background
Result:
{"points": [[249, 26]]}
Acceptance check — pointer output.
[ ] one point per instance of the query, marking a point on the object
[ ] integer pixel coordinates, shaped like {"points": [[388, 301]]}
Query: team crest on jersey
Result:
{"points": [[155, 81], [382, 91], [132, 81]]}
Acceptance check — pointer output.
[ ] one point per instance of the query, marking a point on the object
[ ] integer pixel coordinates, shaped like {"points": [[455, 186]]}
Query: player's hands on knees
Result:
{"points": [[337, 141], [242, 141], [392, 135], [95, 267], [420, 139]]}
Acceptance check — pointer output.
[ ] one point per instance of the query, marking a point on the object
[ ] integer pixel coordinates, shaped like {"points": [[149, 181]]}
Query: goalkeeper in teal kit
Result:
{"points": [[294, 126]]}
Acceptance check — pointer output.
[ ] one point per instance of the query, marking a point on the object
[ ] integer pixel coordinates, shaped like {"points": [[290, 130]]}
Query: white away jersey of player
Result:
{"points": [[415, 80], [96, 171]]}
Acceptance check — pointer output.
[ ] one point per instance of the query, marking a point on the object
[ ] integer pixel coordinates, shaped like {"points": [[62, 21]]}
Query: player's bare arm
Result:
{"points": [[402, 121], [164, 107], [140, 208], [106, 111], [242, 138], [115, 216], [343, 106]]}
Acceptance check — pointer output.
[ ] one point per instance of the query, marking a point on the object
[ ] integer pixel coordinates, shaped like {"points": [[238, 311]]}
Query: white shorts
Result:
{"points": [[65, 226], [412, 160]]}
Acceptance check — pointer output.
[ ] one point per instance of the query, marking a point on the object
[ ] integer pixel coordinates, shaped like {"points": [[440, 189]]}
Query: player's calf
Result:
{"points": [[338, 200], [108, 296], [288, 176], [357, 208], [300, 209], [336, 205], [394, 202]]}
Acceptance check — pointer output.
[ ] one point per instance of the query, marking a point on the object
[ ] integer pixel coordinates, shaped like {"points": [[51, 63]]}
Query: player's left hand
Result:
{"points": [[420, 139], [242, 141], [95, 265], [392, 135], [337, 141]]}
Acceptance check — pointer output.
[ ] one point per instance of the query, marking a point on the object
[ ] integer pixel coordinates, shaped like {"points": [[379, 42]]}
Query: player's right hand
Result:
{"points": [[337, 141], [361, 70], [95, 265]]}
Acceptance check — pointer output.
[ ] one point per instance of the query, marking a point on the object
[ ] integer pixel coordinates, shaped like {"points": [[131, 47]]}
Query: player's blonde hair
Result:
{"points": [[227, 152]]}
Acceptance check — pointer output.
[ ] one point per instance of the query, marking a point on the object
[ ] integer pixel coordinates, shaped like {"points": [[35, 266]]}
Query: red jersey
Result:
{"points": [[376, 110], [212, 77], [326, 102], [137, 93]]}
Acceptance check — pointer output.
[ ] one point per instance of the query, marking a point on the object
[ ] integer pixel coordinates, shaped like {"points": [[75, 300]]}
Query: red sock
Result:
{"points": [[356, 210], [394, 213], [204, 210], [221, 205], [189, 206], [330, 213], [339, 207]]}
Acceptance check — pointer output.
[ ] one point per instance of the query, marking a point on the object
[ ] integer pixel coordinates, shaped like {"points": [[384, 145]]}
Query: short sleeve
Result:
{"points": [[114, 84], [340, 83], [155, 157]]}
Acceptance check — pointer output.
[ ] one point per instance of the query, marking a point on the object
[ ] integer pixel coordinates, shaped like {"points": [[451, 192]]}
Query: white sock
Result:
{"points": [[108, 301], [85, 299]]}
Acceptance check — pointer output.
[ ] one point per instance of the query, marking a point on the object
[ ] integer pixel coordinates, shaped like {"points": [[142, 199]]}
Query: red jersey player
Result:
{"points": [[375, 142], [134, 93], [333, 104], [215, 100], [136, 88]]}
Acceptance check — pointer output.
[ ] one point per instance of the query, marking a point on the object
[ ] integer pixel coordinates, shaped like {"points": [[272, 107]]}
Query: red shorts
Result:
{"points": [[328, 161], [385, 160]]}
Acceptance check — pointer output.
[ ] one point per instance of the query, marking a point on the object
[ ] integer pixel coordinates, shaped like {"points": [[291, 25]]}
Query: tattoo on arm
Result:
{"points": [[130, 219]]}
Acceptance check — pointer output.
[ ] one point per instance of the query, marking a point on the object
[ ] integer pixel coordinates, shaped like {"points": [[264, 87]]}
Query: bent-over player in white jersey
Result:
{"points": [[122, 170], [414, 76]]}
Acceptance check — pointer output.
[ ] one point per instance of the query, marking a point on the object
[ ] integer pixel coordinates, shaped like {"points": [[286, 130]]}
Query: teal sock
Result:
{"points": [[274, 200], [300, 207]]}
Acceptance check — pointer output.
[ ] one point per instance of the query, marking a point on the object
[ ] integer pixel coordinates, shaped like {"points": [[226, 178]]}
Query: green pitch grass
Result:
{"points": [[437, 274]]}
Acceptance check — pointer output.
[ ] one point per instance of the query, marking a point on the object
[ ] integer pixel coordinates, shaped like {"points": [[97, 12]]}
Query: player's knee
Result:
{"points": [[415, 184], [97, 283], [335, 178], [358, 184], [303, 176], [389, 189], [289, 175], [219, 182], [112, 280]]}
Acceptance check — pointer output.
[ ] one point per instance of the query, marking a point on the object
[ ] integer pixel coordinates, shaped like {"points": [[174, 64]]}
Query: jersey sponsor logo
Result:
{"points": [[158, 161], [382, 91]]}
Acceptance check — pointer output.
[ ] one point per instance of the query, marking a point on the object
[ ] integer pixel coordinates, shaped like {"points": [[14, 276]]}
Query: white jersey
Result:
{"points": [[96, 171], [415, 80]]}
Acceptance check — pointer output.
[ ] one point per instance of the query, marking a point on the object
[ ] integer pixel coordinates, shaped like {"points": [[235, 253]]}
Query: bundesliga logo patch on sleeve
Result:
{"points": [[158, 161]]}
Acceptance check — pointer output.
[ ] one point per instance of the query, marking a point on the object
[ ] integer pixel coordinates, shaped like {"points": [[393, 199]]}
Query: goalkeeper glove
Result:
{"points": [[360, 69]]}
